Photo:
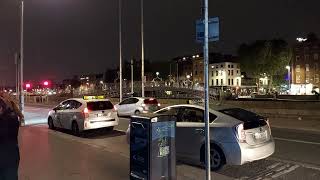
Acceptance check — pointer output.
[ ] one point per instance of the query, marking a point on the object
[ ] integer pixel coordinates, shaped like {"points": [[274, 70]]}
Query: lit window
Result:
{"points": [[298, 79], [316, 79], [307, 67], [297, 68]]}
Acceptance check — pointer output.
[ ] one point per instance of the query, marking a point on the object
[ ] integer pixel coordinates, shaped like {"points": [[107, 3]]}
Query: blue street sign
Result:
{"points": [[213, 30]]}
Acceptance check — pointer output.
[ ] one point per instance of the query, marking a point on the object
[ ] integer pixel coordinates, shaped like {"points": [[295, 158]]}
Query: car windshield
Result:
{"points": [[99, 105]]}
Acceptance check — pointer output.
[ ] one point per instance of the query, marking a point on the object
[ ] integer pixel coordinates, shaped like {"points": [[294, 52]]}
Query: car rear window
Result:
{"points": [[150, 101], [250, 119], [99, 105]]}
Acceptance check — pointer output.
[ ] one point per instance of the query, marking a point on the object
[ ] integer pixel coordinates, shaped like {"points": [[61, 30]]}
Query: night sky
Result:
{"points": [[67, 37]]}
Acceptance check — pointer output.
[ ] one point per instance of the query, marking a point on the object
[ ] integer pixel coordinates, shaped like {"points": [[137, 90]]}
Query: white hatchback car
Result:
{"points": [[137, 105], [237, 136], [80, 114]]}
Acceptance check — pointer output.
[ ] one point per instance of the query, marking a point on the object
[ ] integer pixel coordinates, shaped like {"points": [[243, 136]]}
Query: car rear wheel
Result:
{"points": [[109, 128], [50, 123], [75, 129], [137, 112], [216, 158]]}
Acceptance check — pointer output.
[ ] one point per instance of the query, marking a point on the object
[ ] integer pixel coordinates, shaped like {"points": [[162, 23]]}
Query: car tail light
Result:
{"points": [[268, 122], [114, 109], [241, 135], [86, 112]]}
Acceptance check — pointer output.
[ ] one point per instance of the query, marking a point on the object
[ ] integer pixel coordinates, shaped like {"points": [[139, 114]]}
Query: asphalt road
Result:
{"points": [[296, 155]]}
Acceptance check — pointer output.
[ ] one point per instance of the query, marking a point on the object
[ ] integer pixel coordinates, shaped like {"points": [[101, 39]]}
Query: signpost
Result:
{"points": [[207, 30]]}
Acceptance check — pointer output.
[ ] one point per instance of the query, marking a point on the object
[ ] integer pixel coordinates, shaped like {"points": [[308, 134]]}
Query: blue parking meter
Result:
{"points": [[152, 147]]}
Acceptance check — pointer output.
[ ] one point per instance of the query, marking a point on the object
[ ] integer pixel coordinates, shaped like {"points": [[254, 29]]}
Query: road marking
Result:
{"points": [[305, 165], [281, 173], [297, 141]]}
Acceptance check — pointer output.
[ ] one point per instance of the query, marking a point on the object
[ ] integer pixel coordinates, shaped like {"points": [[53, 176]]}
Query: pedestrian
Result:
{"points": [[9, 149]]}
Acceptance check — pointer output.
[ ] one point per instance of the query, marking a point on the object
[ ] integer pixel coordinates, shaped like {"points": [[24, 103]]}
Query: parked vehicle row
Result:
{"points": [[237, 136]]}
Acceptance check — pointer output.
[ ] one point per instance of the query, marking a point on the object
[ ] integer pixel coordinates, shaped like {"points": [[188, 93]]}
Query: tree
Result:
{"points": [[265, 58]]}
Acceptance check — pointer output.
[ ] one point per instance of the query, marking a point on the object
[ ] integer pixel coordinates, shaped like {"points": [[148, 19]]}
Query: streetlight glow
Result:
{"points": [[157, 73], [288, 67]]}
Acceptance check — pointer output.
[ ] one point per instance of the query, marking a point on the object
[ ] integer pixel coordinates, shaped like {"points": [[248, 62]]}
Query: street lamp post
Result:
{"points": [[142, 51], [120, 48], [21, 97], [289, 77], [132, 76]]}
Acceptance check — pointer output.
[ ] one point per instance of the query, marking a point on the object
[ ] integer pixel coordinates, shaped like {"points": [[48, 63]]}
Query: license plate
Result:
{"points": [[100, 115], [262, 135]]}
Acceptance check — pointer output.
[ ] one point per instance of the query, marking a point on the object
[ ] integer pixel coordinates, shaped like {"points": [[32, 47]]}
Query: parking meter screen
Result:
{"points": [[163, 150], [139, 150]]}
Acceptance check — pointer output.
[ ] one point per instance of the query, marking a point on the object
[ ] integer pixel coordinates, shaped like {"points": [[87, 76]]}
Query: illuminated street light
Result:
{"points": [[288, 67], [299, 39], [157, 73], [28, 85], [188, 76]]}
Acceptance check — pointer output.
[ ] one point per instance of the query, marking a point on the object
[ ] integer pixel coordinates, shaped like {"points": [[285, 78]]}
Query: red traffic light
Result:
{"points": [[28, 85], [46, 83]]}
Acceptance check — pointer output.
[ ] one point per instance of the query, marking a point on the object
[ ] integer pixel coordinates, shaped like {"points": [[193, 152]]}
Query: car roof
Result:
{"points": [[85, 101]]}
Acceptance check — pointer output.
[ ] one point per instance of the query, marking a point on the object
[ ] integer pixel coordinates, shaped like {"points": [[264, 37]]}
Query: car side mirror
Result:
{"points": [[55, 109]]}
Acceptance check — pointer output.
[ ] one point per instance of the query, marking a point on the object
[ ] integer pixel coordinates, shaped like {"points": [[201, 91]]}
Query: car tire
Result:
{"points": [[50, 123], [137, 112], [109, 128], [216, 155], [217, 158], [75, 129]]}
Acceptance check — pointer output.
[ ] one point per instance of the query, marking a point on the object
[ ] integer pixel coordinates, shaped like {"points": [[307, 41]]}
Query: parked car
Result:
{"points": [[237, 136], [137, 105], [81, 114]]}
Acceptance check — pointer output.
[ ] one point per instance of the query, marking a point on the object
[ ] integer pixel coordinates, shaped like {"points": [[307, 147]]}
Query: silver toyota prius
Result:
{"points": [[237, 136]]}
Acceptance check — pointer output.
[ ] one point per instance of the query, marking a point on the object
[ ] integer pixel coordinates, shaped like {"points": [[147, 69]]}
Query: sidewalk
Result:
{"points": [[50, 155]]}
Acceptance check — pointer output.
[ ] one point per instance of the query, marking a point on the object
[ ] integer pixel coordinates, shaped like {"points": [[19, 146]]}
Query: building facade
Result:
{"points": [[225, 74], [305, 69]]}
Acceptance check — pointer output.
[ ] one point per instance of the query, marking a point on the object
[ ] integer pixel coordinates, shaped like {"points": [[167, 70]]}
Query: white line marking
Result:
{"points": [[305, 165], [285, 171], [297, 141]]}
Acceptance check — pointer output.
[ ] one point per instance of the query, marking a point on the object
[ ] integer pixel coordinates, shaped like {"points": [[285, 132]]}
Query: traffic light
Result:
{"points": [[28, 85], [46, 83]]}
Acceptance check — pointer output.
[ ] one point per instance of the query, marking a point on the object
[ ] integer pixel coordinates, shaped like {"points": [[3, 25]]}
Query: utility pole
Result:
{"points": [[16, 62], [120, 47], [142, 51], [132, 76], [21, 95], [206, 87]]}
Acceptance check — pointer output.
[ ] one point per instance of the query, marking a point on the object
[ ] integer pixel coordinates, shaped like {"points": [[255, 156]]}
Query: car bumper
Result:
{"points": [[100, 124], [241, 153]]}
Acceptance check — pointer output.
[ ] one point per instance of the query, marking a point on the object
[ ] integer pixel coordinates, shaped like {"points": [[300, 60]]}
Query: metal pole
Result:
{"points": [[142, 52], [132, 76], [16, 62], [178, 73], [120, 47], [206, 85], [21, 99]]}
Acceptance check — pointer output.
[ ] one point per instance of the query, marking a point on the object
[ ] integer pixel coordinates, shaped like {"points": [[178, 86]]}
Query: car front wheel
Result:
{"points": [[50, 123], [75, 129]]}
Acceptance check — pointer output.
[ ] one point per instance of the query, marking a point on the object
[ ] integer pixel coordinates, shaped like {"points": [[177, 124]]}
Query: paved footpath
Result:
{"points": [[52, 155]]}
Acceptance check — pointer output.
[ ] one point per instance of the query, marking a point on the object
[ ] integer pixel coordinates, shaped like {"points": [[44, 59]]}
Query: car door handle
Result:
{"points": [[199, 131]]}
